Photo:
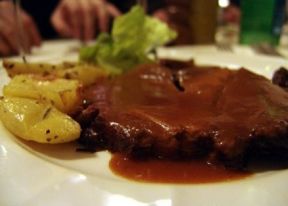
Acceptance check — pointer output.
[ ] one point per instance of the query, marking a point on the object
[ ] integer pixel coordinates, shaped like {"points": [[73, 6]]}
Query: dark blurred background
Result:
{"points": [[41, 10], [179, 12]]}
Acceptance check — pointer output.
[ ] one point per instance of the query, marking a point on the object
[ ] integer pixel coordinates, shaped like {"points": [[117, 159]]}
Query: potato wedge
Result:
{"points": [[14, 68], [37, 121], [63, 94], [85, 73]]}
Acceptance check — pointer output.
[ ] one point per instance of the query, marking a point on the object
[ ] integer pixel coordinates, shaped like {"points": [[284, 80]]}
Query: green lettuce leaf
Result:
{"points": [[134, 36]]}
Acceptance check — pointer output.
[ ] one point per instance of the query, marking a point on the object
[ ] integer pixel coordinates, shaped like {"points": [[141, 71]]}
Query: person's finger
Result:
{"points": [[74, 13], [7, 12], [60, 22], [5, 50], [31, 31], [9, 38], [104, 12], [100, 13], [112, 10], [88, 23]]}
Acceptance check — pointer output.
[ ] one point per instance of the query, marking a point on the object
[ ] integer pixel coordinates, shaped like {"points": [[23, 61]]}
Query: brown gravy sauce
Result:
{"points": [[169, 171], [230, 105]]}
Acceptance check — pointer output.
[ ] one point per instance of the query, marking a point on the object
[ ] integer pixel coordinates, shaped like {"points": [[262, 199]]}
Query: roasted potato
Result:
{"points": [[14, 68], [85, 73], [37, 120], [37, 95], [64, 94]]}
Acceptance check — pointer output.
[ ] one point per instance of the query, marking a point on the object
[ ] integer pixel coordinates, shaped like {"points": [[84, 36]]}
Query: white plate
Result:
{"points": [[57, 175]]}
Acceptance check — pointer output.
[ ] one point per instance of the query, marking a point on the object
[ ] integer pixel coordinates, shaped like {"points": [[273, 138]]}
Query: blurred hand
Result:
{"points": [[82, 18], [10, 38]]}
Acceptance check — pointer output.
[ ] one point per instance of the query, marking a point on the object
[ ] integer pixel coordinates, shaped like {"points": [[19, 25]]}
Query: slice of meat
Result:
{"points": [[228, 115]]}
